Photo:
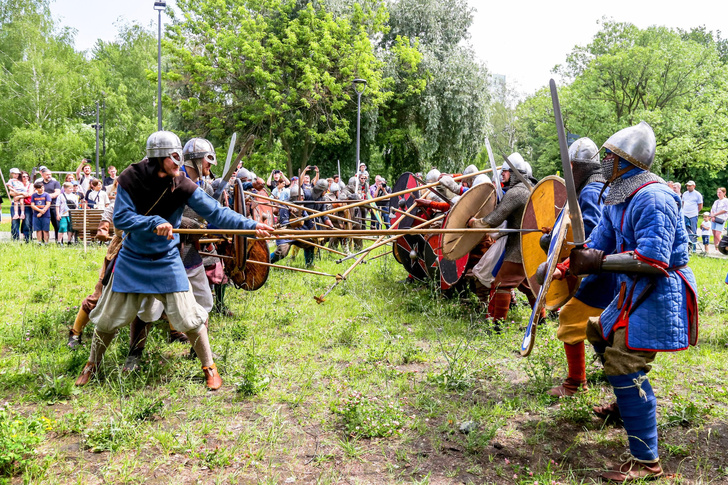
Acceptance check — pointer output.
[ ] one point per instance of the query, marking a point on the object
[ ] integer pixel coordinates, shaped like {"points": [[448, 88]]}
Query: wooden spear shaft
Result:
{"points": [[294, 234], [389, 240], [321, 299], [223, 256], [289, 204], [395, 194]]}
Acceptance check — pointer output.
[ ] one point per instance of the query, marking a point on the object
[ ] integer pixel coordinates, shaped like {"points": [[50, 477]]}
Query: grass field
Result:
{"points": [[382, 383]]}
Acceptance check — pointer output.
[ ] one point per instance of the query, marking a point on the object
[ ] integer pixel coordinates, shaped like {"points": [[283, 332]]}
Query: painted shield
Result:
{"points": [[547, 200], [477, 202], [450, 271], [557, 242], [249, 277], [263, 210], [403, 202], [417, 256]]}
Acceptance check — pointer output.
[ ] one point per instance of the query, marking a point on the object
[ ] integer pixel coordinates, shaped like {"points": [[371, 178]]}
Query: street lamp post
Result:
{"points": [[97, 138], [103, 138], [159, 6], [360, 86]]}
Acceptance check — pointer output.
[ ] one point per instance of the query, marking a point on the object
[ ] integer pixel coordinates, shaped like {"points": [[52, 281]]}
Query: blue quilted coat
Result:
{"points": [[659, 313], [596, 290]]}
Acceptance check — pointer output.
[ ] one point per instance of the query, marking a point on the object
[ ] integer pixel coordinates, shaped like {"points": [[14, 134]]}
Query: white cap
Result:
{"points": [[43, 168], [14, 170], [690, 182]]}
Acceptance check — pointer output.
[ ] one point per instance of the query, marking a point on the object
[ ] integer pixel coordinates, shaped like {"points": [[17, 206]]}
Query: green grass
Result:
{"points": [[369, 387]]}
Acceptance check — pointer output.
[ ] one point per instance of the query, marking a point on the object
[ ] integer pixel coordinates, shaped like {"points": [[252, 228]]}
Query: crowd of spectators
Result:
{"points": [[36, 205], [712, 222], [279, 186]]}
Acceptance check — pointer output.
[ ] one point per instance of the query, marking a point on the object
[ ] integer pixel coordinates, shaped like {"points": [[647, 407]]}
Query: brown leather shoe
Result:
{"points": [[608, 411], [634, 470], [214, 381], [568, 388], [89, 370]]}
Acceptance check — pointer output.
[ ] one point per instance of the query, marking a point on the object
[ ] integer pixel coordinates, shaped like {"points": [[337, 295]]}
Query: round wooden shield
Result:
{"points": [[547, 200], [263, 210], [255, 275], [478, 202], [403, 202], [416, 255], [556, 245], [450, 271], [247, 276]]}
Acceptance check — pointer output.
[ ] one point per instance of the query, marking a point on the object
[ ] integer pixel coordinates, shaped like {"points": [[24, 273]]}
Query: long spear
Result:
{"points": [[290, 234], [253, 261], [289, 204], [380, 242], [389, 196], [322, 298]]}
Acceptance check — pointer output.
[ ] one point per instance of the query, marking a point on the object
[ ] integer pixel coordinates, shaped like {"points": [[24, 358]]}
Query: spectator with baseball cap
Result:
{"points": [[692, 202]]}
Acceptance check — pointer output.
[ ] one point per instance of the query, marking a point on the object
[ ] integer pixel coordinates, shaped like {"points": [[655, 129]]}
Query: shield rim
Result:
{"points": [[571, 281], [453, 244]]}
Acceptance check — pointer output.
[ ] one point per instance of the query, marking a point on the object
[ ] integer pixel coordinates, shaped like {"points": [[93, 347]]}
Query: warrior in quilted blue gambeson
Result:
{"points": [[655, 306]]}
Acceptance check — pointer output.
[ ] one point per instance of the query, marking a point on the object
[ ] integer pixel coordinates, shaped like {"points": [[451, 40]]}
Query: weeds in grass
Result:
{"points": [[56, 388], [107, 435], [252, 381], [576, 409], [19, 437], [685, 412], [370, 417]]}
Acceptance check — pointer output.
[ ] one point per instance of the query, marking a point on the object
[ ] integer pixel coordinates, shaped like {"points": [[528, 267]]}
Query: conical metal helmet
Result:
{"points": [[197, 148], [481, 179], [636, 144], [243, 174], [584, 150], [432, 176], [320, 187], [162, 144], [516, 161], [468, 170]]}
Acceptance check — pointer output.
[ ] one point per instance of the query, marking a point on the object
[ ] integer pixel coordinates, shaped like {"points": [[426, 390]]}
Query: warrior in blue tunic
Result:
{"points": [[150, 199], [655, 307]]}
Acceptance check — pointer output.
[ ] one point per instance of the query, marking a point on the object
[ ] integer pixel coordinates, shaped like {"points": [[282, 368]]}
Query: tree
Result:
{"points": [[127, 70], [276, 69], [44, 87], [659, 75]]}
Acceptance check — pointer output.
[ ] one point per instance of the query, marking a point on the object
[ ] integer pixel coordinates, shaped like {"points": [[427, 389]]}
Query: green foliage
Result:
{"points": [[19, 437], [279, 70], [56, 388], [685, 412], [369, 417], [625, 75], [252, 379], [106, 435]]}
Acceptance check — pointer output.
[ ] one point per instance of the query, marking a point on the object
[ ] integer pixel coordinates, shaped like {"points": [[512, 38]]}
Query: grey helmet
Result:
{"points": [[516, 161], [243, 174], [320, 187], [584, 150], [432, 176], [197, 148], [352, 183], [335, 187], [481, 179], [162, 144], [468, 170], [636, 144], [295, 190]]}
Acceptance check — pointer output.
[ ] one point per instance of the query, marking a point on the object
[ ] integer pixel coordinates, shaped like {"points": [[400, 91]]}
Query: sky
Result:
{"points": [[521, 39]]}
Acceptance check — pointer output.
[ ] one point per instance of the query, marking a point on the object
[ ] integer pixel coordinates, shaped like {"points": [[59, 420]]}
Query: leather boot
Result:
{"points": [[500, 302], [74, 334], [137, 341], [175, 336], [74, 340], [576, 362]]}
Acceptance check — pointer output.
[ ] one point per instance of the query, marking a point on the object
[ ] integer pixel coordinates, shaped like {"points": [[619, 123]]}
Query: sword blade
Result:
{"points": [[577, 223], [229, 157]]}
